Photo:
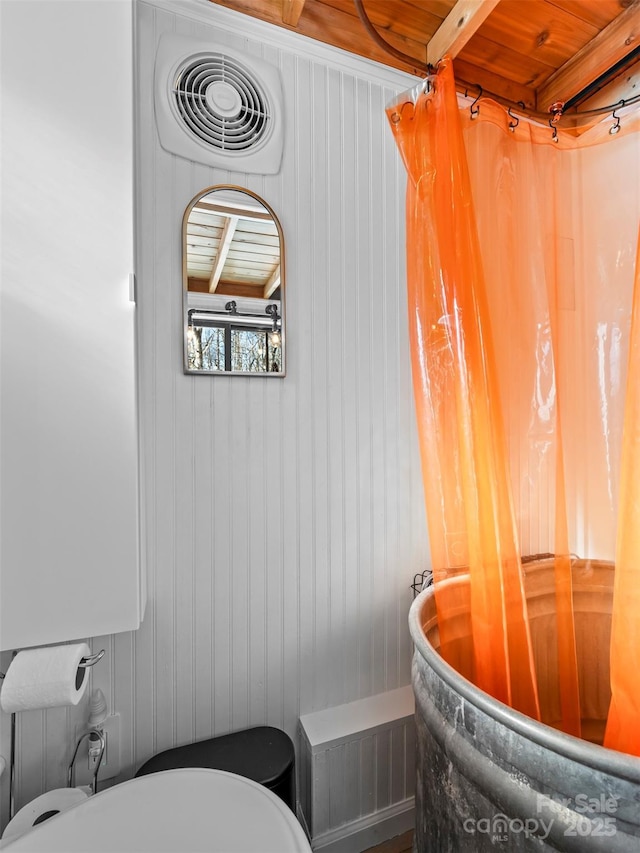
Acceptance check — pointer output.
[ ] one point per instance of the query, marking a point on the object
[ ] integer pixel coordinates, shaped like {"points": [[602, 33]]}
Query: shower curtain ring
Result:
{"points": [[396, 116], [512, 127], [615, 127], [555, 130], [475, 113]]}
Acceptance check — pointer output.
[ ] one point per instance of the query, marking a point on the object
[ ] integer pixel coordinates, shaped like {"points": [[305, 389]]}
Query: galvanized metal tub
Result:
{"points": [[490, 778]]}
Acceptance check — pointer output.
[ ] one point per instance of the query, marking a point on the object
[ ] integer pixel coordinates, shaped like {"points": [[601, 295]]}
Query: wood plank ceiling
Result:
{"points": [[231, 249], [584, 54]]}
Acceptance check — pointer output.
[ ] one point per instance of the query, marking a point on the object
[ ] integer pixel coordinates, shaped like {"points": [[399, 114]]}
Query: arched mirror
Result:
{"points": [[233, 280]]}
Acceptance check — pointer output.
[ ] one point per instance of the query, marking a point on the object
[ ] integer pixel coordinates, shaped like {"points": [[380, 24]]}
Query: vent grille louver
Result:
{"points": [[221, 103], [218, 106]]}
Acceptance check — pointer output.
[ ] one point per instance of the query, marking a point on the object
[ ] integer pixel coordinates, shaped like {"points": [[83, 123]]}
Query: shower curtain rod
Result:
{"points": [[556, 111]]}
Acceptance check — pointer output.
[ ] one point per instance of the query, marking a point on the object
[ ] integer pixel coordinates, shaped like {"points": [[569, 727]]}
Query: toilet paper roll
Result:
{"points": [[45, 678], [42, 808]]}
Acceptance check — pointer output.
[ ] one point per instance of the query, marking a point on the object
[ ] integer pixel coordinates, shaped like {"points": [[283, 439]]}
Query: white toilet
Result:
{"points": [[174, 811]]}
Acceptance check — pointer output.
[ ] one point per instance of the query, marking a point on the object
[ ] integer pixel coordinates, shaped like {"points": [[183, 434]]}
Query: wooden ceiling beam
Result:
{"points": [[273, 283], [470, 76], [234, 210], [291, 11], [625, 85], [458, 27], [223, 250], [610, 46]]}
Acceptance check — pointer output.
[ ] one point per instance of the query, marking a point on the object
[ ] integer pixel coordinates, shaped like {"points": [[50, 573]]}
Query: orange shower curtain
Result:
{"points": [[520, 252]]}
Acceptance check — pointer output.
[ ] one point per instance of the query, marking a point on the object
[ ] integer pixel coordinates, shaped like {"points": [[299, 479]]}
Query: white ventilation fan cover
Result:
{"points": [[218, 106]]}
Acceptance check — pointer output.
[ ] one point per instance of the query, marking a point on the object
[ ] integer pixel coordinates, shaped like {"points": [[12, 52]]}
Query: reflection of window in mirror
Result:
{"points": [[233, 278]]}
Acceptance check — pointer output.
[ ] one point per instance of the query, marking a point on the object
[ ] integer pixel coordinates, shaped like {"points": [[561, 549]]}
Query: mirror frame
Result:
{"points": [[185, 286]]}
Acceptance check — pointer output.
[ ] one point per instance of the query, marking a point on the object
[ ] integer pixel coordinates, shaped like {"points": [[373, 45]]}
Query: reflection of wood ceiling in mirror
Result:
{"points": [[232, 251]]}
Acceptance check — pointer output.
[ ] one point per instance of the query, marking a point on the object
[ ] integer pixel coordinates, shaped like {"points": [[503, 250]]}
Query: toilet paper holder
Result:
{"points": [[85, 662], [89, 660], [92, 660]]}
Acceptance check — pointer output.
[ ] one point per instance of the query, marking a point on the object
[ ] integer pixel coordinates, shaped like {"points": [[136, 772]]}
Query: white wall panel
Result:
{"points": [[283, 520], [68, 425], [69, 525], [274, 506]]}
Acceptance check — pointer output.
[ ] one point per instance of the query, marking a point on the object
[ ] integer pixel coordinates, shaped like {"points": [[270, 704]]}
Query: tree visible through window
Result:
{"points": [[233, 348]]}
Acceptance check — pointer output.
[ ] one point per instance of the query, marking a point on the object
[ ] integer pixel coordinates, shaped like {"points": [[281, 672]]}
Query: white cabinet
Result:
{"points": [[69, 563]]}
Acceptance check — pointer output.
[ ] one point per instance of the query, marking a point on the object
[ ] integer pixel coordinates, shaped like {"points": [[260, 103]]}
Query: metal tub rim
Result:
{"points": [[588, 754]]}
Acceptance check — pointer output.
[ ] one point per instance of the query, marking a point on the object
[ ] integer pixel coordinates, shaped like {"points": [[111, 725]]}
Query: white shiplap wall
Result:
{"points": [[282, 519]]}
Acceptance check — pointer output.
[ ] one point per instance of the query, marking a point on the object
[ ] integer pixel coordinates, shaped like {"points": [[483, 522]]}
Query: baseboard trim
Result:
{"points": [[368, 831]]}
